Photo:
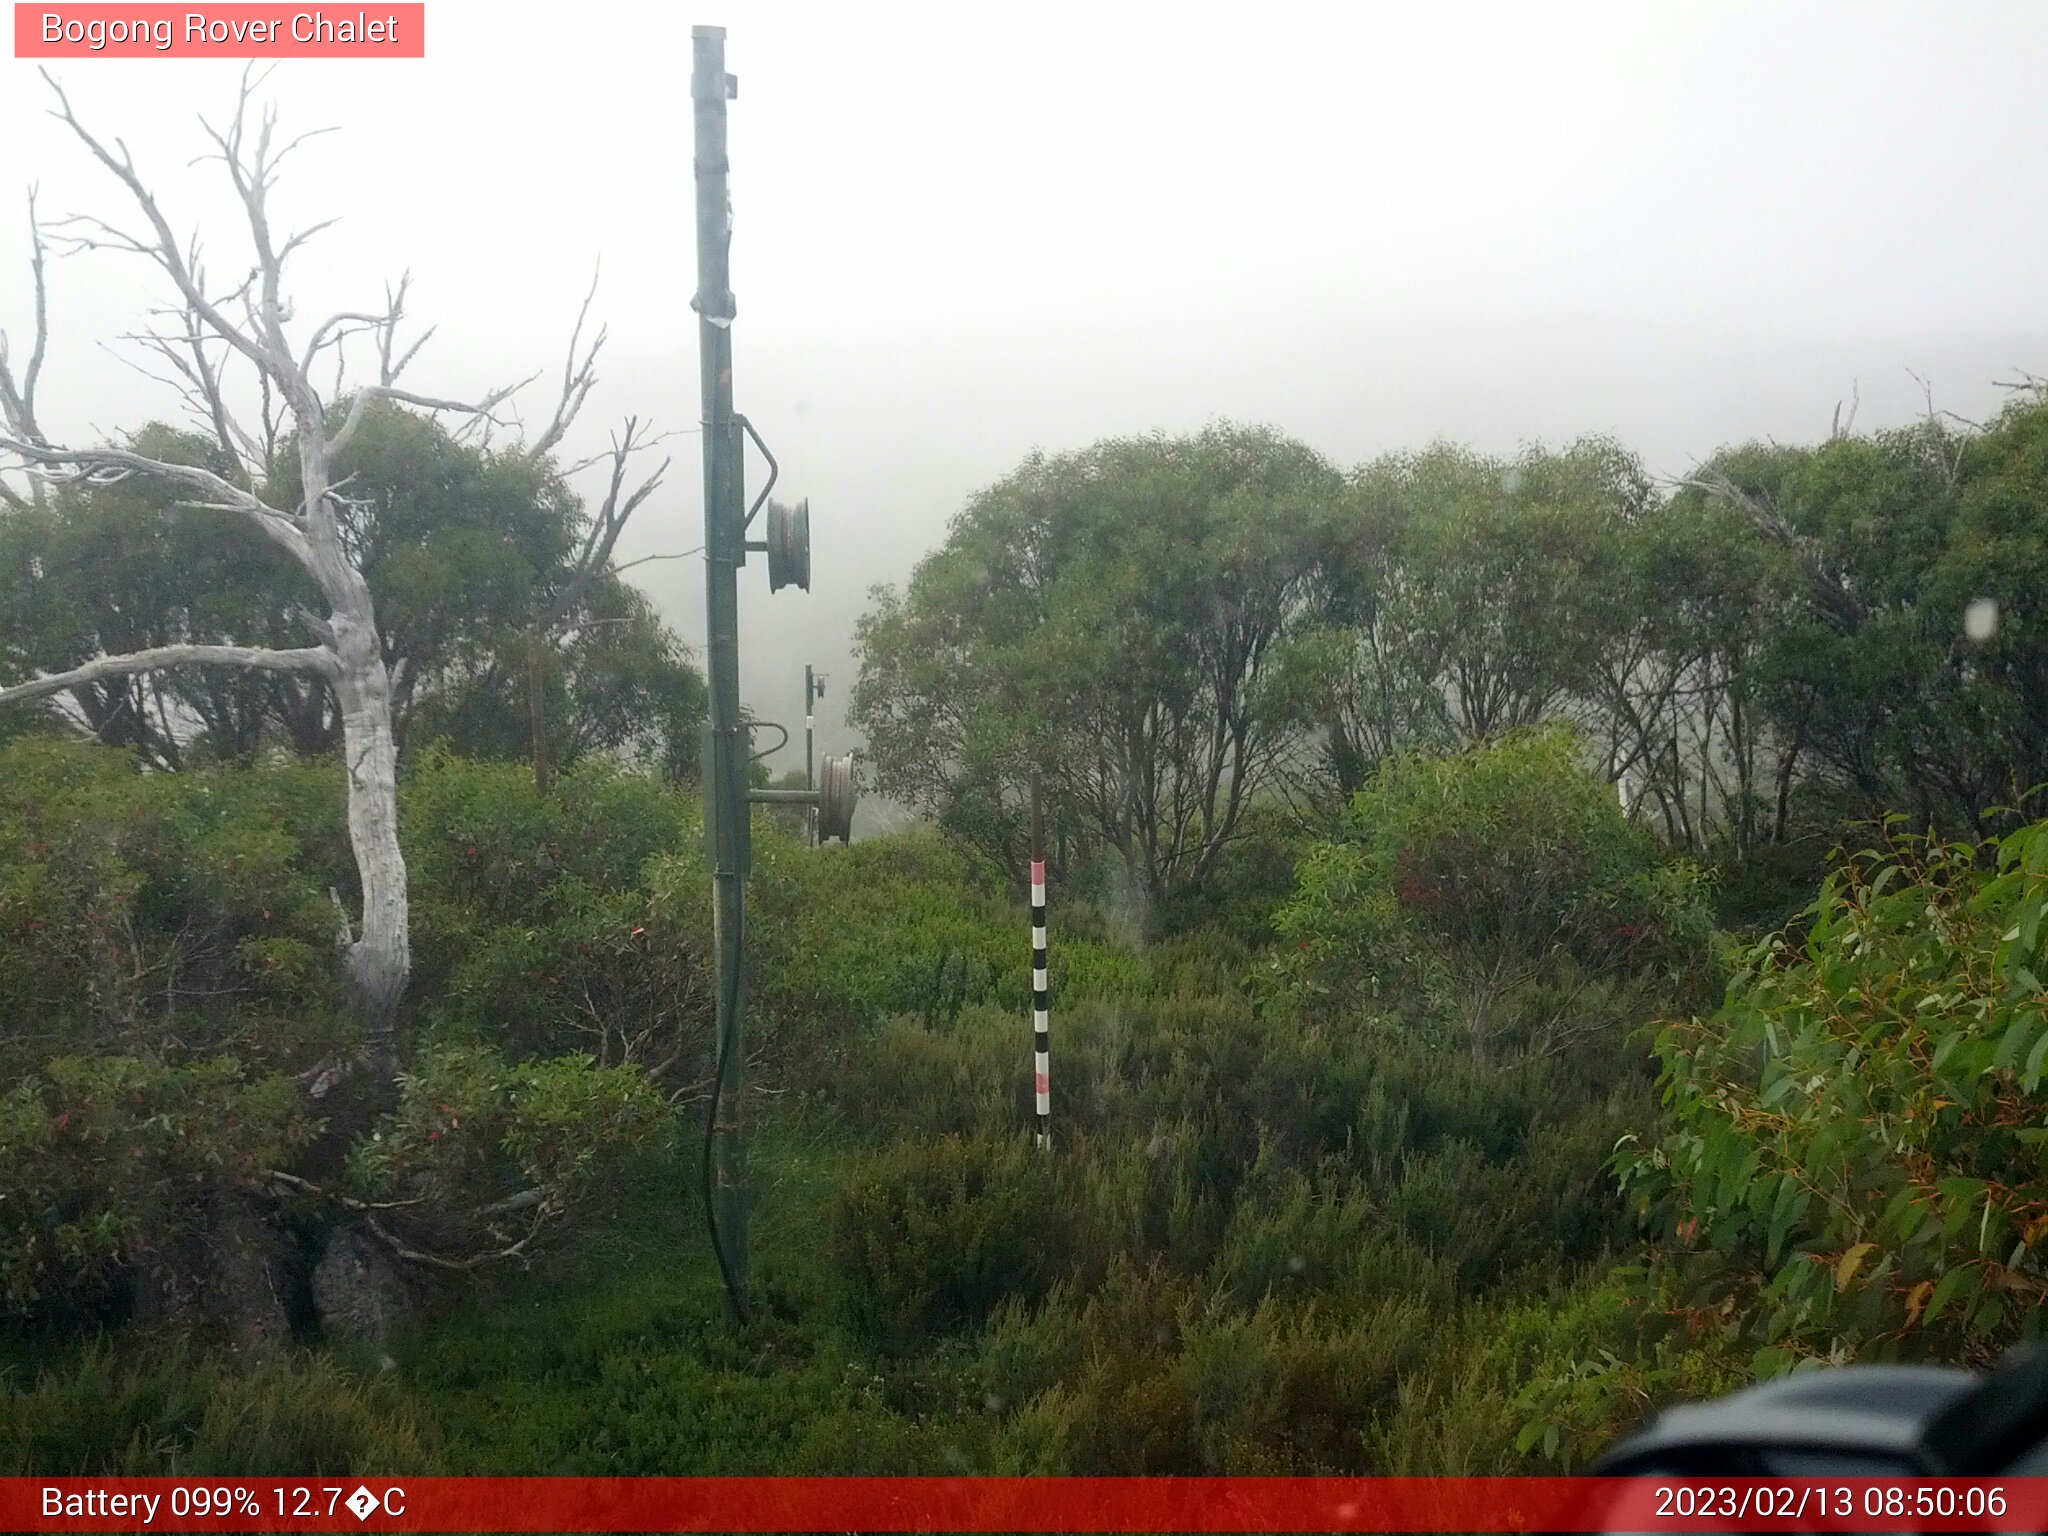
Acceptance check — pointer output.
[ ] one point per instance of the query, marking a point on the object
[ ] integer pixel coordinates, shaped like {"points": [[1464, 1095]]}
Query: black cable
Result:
{"points": [[733, 1298]]}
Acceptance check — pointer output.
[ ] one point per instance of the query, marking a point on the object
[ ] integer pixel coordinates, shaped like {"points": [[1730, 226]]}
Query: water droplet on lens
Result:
{"points": [[1980, 619]]}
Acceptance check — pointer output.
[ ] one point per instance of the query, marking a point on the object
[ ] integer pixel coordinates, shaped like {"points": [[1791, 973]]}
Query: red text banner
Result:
{"points": [[1066, 1504], [240, 31]]}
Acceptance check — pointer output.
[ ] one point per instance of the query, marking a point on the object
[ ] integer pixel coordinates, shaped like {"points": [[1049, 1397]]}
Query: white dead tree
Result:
{"points": [[200, 335]]}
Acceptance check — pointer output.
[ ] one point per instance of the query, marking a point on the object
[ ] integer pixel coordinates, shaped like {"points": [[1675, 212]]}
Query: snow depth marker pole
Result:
{"points": [[1041, 1003]]}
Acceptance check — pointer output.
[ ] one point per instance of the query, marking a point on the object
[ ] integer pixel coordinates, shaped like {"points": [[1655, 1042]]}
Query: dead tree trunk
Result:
{"points": [[380, 956], [346, 654]]}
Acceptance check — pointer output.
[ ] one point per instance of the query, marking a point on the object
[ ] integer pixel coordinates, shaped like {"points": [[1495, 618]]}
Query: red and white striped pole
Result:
{"points": [[1041, 1002]]}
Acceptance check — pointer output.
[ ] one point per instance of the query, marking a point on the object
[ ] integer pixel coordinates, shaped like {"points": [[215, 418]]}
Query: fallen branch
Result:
{"points": [[308, 1187], [414, 1255]]}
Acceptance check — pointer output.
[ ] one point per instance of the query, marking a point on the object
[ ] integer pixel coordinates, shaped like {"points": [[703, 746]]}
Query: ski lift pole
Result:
{"points": [[726, 754], [1041, 992], [724, 769], [814, 689]]}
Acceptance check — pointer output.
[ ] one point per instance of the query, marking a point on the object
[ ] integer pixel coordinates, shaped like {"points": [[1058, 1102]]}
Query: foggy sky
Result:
{"points": [[965, 232]]}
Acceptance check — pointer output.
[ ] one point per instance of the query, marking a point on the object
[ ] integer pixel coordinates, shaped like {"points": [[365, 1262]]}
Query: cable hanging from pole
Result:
{"points": [[735, 1292]]}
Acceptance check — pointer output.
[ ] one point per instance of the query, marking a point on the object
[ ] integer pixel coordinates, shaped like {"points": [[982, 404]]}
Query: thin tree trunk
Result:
{"points": [[537, 706]]}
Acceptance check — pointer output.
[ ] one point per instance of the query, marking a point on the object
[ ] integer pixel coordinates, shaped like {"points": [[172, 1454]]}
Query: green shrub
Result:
{"points": [[1153, 1375], [1853, 1166], [187, 1415], [110, 1161], [1476, 897], [1251, 1248], [908, 1079], [1324, 1235], [929, 1236], [1252, 878], [841, 938], [473, 1132], [136, 907], [1586, 1366], [533, 932]]}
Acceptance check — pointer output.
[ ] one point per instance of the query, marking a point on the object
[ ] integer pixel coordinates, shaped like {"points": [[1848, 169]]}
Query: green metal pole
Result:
{"points": [[725, 783]]}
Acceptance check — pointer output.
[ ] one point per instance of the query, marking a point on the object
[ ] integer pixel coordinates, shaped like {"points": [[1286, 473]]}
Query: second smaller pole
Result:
{"points": [[1041, 1002], [810, 770]]}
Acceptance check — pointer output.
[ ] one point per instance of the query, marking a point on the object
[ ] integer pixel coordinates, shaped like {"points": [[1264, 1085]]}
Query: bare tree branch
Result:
{"points": [[253, 181], [302, 237], [577, 380], [18, 398], [199, 385], [612, 516], [388, 370], [681, 554], [314, 659], [1950, 465], [339, 327], [1836, 601], [166, 252], [292, 1181], [321, 629], [1839, 427], [109, 466], [517, 1250], [481, 409]]}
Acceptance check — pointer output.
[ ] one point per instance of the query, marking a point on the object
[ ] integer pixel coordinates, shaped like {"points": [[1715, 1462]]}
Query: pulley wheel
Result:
{"points": [[789, 546], [835, 799]]}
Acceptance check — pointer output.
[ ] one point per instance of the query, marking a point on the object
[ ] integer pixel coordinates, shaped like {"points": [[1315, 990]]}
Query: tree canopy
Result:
{"points": [[463, 549], [1108, 617], [1757, 657]]}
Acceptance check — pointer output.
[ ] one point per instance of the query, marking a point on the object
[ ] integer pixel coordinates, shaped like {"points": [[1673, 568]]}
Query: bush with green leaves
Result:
{"points": [[1589, 1365], [840, 939], [1269, 1159], [904, 924], [1499, 897], [1853, 1167], [1251, 879], [97, 1413], [1153, 1373], [169, 986], [110, 1162], [166, 969], [483, 1154], [141, 908], [1288, 1196], [928, 1235], [533, 931]]}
